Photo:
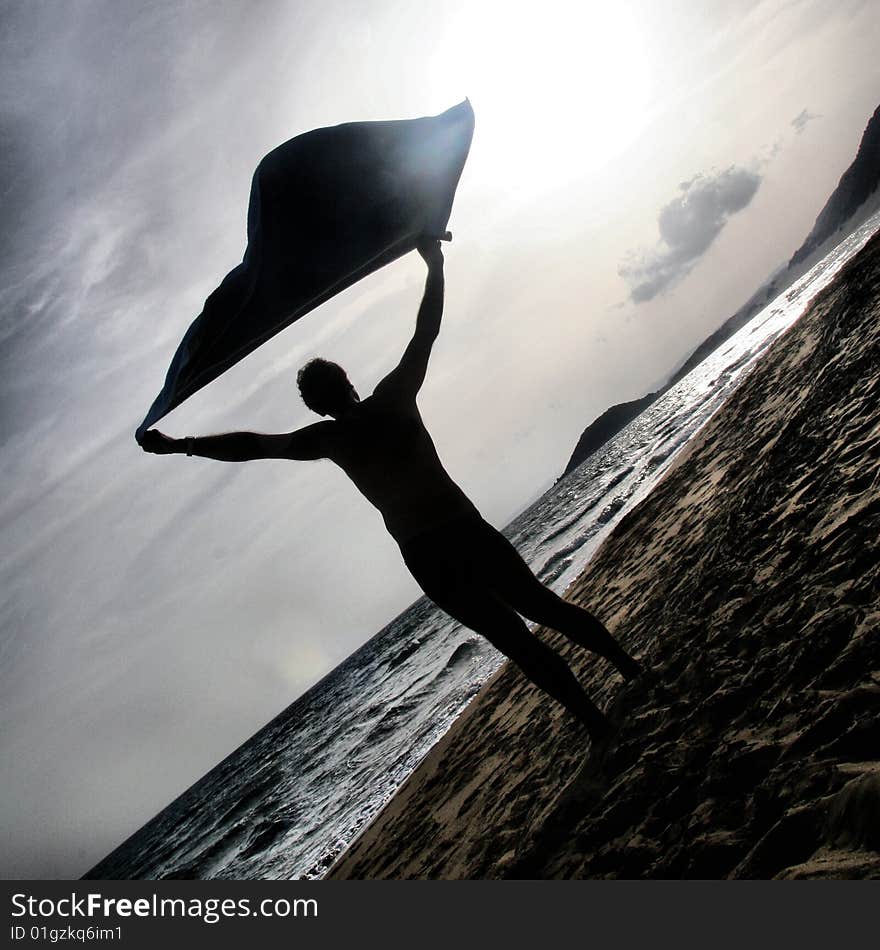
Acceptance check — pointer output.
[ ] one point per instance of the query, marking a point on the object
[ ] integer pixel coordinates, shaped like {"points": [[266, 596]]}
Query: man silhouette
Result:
{"points": [[464, 565]]}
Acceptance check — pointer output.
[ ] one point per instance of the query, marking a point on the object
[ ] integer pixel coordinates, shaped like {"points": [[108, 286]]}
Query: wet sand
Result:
{"points": [[749, 584]]}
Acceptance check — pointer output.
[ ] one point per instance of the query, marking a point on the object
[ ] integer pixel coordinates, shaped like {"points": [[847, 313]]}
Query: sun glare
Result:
{"points": [[559, 87]]}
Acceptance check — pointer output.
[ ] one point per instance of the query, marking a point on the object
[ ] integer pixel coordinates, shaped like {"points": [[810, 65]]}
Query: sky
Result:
{"points": [[637, 170]]}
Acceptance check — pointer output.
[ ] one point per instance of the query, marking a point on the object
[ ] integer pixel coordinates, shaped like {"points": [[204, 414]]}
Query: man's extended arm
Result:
{"points": [[312, 442], [407, 377]]}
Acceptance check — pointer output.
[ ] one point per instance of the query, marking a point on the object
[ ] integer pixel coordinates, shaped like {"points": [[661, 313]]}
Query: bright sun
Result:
{"points": [[559, 87]]}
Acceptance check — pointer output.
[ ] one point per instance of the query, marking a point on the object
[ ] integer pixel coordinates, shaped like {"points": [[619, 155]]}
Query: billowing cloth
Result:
{"points": [[326, 209]]}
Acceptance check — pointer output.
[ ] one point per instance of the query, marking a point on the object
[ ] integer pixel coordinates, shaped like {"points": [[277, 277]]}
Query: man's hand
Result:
{"points": [[431, 252], [157, 443]]}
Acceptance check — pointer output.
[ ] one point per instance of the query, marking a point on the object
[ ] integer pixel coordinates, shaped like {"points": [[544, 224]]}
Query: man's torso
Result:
{"points": [[385, 449]]}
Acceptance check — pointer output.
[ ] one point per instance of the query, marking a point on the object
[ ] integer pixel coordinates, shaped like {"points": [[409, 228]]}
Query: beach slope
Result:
{"points": [[749, 583]]}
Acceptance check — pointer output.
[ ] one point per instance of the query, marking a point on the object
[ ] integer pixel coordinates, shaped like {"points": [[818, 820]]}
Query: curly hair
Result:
{"points": [[321, 384]]}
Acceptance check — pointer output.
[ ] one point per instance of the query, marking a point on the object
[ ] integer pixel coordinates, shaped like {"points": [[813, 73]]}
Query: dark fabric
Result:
{"points": [[326, 209]]}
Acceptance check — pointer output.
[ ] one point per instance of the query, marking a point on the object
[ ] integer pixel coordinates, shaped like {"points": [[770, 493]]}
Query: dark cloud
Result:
{"points": [[688, 226], [802, 120]]}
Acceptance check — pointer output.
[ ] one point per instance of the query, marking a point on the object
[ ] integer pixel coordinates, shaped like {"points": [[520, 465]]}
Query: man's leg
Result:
{"points": [[505, 630], [515, 583], [449, 566]]}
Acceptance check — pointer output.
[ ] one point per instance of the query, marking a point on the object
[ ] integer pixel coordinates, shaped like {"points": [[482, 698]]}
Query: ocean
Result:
{"points": [[290, 799]]}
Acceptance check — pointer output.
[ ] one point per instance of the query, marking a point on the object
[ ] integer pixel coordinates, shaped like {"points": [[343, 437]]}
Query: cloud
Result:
{"points": [[688, 225], [802, 120]]}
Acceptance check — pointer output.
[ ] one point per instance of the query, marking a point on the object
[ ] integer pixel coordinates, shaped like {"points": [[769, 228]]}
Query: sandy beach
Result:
{"points": [[749, 584]]}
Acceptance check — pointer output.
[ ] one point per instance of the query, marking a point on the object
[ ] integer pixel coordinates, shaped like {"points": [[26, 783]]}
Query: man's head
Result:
{"points": [[325, 388]]}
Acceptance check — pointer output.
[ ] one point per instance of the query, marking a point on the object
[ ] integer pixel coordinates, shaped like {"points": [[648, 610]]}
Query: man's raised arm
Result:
{"points": [[406, 379], [311, 442]]}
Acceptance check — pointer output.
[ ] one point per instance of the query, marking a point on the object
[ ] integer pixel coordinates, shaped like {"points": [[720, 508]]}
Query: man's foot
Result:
{"points": [[601, 730], [597, 724], [628, 667]]}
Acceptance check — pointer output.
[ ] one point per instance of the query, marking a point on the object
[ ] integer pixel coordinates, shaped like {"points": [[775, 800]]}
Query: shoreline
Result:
{"points": [[748, 581]]}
